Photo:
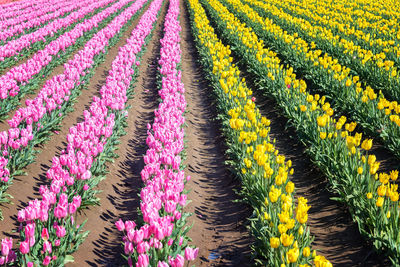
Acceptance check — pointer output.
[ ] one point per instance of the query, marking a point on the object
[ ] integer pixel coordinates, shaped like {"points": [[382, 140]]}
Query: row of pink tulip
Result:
{"points": [[17, 77], [48, 225], [32, 122], [15, 26], [10, 9], [26, 41], [43, 8], [46, 7], [161, 241]]}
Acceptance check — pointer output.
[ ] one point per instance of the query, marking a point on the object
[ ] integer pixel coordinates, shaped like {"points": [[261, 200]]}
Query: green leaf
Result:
{"points": [[68, 258]]}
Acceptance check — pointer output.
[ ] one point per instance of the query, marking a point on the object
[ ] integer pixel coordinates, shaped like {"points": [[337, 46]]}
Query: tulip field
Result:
{"points": [[199, 133]]}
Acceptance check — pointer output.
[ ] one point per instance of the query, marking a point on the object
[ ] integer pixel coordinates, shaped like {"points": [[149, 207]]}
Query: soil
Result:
{"points": [[219, 223], [26, 188], [336, 235]]}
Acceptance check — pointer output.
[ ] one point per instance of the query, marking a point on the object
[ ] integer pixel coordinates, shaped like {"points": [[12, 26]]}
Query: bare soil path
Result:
{"points": [[119, 197], [26, 188], [219, 223], [336, 235]]}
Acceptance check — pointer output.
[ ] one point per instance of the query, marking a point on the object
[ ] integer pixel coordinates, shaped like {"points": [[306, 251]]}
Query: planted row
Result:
{"points": [[33, 124], [372, 197], [161, 239], [35, 40], [278, 224], [24, 79], [374, 112], [50, 234], [376, 67], [15, 27]]}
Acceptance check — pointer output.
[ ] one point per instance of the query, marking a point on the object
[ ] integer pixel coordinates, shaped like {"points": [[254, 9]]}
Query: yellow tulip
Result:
{"points": [[274, 242], [293, 254], [306, 252]]}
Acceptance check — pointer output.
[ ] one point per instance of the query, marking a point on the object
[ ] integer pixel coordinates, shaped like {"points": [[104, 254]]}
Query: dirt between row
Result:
{"points": [[219, 223]]}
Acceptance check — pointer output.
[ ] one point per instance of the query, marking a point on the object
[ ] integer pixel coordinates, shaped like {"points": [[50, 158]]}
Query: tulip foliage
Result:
{"points": [[161, 239], [278, 224], [371, 109], [349, 50], [374, 59], [23, 46], [372, 197], [25, 78], [33, 124], [49, 232]]}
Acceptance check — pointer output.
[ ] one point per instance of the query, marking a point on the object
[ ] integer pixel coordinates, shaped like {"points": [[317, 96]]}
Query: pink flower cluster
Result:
{"points": [[46, 7], [70, 172], [7, 254], [12, 47], [10, 9], [50, 11], [162, 198], [21, 74], [57, 90]]}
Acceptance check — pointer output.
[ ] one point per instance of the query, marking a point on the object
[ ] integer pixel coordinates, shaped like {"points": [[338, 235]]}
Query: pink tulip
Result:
{"points": [[46, 260], [47, 247], [24, 247], [170, 242], [30, 230], [6, 246], [45, 234], [143, 261], [120, 225], [162, 264], [60, 231], [138, 236], [191, 254], [179, 261], [129, 225]]}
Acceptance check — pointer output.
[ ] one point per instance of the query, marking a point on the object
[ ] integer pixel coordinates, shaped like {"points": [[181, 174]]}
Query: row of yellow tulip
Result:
{"points": [[360, 18], [372, 197], [374, 112], [376, 64], [279, 226]]}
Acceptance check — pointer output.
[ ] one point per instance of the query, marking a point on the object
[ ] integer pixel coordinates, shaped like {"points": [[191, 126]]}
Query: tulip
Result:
{"points": [[137, 236], [143, 261], [179, 261], [60, 231], [6, 246], [46, 260], [45, 234], [120, 225], [24, 247], [191, 254], [47, 247], [30, 230]]}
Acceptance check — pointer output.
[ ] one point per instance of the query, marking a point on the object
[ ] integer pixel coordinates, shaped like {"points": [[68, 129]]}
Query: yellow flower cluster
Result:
{"points": [[374, 18], [340, 74], [262, 166], [347, 45], [326, 135]]}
